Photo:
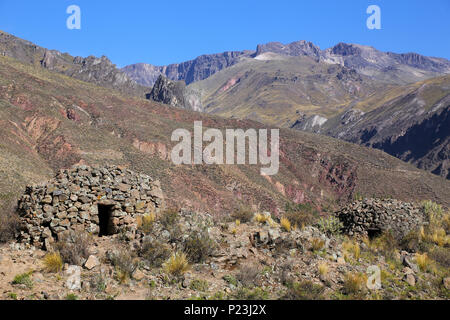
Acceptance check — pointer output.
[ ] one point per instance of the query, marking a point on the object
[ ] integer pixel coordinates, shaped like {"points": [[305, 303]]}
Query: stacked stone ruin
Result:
{"points": [[371, 217], [71, 201]]}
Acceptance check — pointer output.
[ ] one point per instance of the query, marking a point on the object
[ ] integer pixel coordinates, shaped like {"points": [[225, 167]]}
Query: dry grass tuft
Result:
{"points": [[285, 224], [354, 283], [262, 218], [145, 223], [317, 244], [423, 261], [177, 264], [323, 268], [351, 249], [53, 262]]}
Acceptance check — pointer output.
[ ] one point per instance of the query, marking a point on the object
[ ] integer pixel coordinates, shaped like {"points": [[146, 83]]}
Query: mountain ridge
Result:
{"points": [[402, 68], [100, 71]]}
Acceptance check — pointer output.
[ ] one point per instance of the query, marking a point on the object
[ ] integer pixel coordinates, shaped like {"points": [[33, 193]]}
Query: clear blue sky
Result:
{"points": [[168, 31]]}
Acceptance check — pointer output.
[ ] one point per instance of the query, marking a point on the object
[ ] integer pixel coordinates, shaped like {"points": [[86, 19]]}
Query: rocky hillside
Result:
{"points": [[50, 121], [180, 254], [280, 90], [411, 123], [100, 71]]}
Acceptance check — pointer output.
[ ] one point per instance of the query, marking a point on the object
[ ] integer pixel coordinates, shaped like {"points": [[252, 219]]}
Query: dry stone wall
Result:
{"points": [[374, 216], [73, 199]]}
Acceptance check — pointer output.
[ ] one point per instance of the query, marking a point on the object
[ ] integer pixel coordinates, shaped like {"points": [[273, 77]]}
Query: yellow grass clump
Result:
{"points": [[351, 249], [285, 224], [423, 261], [317, 244], [262, 218], [323, 268], [145, 222], [354, 282], [53, 262], [177, 264]]}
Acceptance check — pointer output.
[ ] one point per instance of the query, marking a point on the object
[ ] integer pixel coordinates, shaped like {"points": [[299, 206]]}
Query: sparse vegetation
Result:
{"points": [[199, 285], [262, 218], [145, 223], [230, 279], [300, 215], [285, 224], [24, 279], [248, 275], [331, 225], [304, 290], [323, 268], [198, 246], [177, 264], [9, 223], [169, 218], [251, 294], [354, 283], [53, 262], [351, 250], [317, 244], [12, 296], [125, 264], [423, 261], [71, 296], [74, 247], [243, 214], [155, 252]]}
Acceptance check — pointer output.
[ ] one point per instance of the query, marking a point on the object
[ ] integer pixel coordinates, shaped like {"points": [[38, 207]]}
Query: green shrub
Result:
{"points": [[300, 214], [74, 247], [155, 252], [251, 294], [125, 263], [198, 246], [71, 296], [230, 279], [199, 285], [10, 224], [25, 279], [243, 214], [248, 275], [305, 290], [331, 225]]}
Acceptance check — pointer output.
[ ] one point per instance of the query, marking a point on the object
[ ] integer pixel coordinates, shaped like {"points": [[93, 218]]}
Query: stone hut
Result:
{"points": [[100, 200], [371, 217]]}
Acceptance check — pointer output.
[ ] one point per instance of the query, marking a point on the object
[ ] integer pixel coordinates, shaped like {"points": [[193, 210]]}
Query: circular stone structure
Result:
{"points": [[99, 200], [372, 217]]}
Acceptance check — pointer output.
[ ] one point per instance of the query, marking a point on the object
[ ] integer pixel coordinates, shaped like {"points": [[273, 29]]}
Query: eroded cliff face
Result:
{"points": [[175, 94]]}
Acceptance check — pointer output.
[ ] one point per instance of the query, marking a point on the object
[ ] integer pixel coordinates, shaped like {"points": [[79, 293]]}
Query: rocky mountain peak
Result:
{"points": [[175, 94]]}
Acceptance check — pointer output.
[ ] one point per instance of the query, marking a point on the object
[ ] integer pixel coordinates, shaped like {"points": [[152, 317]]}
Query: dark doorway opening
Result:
{"points": [[105, 220], [373, 233]]}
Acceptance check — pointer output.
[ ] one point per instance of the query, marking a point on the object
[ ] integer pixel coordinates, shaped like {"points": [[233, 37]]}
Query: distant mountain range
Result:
{"points": [[394, 102], [398, 103], [384, 66]]}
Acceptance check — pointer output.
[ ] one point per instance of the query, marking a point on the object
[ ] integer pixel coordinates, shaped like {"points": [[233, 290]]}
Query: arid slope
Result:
{"points": [[50, 121]]}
